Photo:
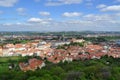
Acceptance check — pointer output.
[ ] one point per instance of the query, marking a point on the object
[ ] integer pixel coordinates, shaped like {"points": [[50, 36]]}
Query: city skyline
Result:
{"points": [[60, 15]]}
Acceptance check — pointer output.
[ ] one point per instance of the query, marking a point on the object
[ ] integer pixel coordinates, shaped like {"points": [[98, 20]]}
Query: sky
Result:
{"points": [[59, 15]]}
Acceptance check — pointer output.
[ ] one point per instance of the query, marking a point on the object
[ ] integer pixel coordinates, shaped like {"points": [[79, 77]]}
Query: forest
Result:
{"points": [[106, 68]]}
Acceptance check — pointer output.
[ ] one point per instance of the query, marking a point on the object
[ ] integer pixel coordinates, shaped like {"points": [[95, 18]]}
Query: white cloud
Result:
{"points": [[7, 24], [21, 11], [98, 17], [37, 0], [35, 20], [71, 14], [117, 14], [68, 25], [101, 6], [44, 13], [39, 20], [71, 1], [117, 0], [62, 2], [8, 3], [93, 22], [111, 8], [1, 12], [89, 3]]}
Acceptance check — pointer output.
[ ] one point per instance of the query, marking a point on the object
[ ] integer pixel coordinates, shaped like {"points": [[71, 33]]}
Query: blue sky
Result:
{"points": [[59, 15]]}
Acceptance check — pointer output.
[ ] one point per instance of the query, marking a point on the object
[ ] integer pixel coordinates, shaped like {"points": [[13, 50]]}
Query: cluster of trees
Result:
{"points": [[96, 39], [106, 68], [13, 41], [71, 44], [16, 41], [102, 38]]}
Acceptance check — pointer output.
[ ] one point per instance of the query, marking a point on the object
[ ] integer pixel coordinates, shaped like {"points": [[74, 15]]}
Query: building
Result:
{"points": [[77, 40], [1, 51], [32, 65]]}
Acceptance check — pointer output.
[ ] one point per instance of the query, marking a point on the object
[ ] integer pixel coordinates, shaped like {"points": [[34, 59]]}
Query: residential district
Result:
{"points": [[49, 51]]}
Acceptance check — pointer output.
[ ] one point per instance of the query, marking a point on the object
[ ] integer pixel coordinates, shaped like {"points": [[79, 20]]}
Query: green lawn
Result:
{"points": [[7, 59]]}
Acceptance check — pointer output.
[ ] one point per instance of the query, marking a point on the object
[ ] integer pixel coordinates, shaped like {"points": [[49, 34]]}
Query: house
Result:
{"points": [[94, 47], [24, 67], [5, 51], [77, 40], [20, 47], [8, 46], [23, 53], [68, 59], [32, 64], [74, 50], [44, 46], [55, 44], [1, 51]]}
